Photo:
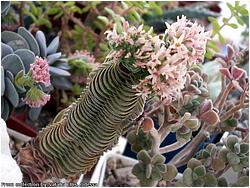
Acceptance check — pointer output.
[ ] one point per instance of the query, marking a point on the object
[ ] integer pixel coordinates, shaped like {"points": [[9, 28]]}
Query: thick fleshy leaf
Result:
{"points": [[156, 174], [158, 159], [206, 106], [58, 72], [138, 170], [230, 51], [192, 163], [8, 36], [5, 50], [11, 93], [61, 83], [237, 72], [200, 170], [243, 181], [53, 57], [231, 141], [180, 135], [17, 44], [170, 173], [6, 110], [187, 177], [218, 164], [223, 154], [13, 63], [222, 182], [27, 57], [63, 66], [193, 124], [144, 156], [10, 76], [148, 124], [244, 148], [210, 117], [41, 40], [53, 46], [30, 40], [233, 159], [226, 72], [210, 180], [2, 81], [148, 171]]}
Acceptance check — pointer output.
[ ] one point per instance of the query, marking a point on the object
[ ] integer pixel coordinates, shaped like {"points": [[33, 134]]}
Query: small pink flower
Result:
{"points": [[40, 71], [36, 98]]}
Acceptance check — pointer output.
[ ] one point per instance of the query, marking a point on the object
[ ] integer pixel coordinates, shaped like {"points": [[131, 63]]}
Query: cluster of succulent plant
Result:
{"points": [[28, 65], [149, 169], [112, 102], [196, 175], [235, 154], [139, 141]]}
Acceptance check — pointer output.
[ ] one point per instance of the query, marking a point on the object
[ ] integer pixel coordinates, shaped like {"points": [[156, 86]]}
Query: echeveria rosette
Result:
{"points": [[161, 62]]}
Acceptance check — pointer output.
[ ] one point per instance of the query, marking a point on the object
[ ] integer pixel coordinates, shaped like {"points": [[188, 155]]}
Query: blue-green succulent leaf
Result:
{"points": [[58, 72], [61, 83], [5, 50], [13, 63], [11, 93], [27, 57], [2, 81], [30, 40], [14, 39], [53, 46], [41, 40], [6, 110], [53, 57], [10, 76]]}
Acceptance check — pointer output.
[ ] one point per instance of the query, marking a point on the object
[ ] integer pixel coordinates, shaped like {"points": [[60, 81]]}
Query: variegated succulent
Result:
{"points": [[19, 51]]}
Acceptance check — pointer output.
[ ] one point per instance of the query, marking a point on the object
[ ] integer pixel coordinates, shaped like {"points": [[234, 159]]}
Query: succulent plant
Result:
{"points": [[185, 126], [195, 175], [196, 82], [149, 169], [19, 51], [139, 141], [235, 154]]}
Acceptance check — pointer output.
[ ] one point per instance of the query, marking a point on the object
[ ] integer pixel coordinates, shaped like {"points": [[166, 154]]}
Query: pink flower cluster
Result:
{"points": [[40, 71], [166, 58], [78, 54], [36, 98]]}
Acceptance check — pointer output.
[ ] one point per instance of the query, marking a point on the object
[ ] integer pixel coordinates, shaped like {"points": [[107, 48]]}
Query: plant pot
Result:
{"points": [[17, 123], [124, 173]]}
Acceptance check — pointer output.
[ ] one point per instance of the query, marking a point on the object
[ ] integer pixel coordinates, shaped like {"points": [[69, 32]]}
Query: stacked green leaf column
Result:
{"points": [[81, 133]]}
